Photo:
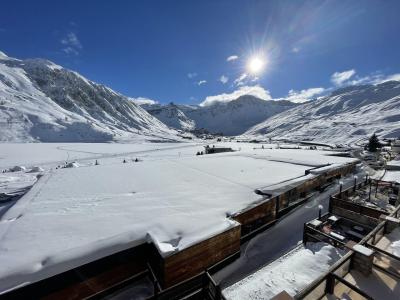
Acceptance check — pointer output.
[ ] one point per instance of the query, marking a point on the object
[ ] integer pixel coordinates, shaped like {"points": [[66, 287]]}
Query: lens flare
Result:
{"points": [[255, 65]]}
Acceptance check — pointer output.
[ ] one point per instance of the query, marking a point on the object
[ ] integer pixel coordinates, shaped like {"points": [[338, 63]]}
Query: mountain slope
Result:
{"points": [[229, 118], [172, 115], [345, 116], [41, 101]]}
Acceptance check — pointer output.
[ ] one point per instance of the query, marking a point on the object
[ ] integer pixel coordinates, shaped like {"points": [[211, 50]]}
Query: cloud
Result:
{"points": [[71, 43], [223, 79], [303, 95], [256, 91], [295, 49], [201, 82], [71, 40], [191, 75], [395, 77], [338, 78], [70, 50], [374, 78], [240, 80], [232, 58], [142, 101]]}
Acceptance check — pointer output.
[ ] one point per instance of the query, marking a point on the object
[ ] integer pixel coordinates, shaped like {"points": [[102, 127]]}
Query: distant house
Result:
{"points": [[396, 146], [213, 149]]}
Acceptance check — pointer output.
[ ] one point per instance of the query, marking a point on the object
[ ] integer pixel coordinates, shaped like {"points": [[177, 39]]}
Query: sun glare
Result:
{"points": [[255, 65]]}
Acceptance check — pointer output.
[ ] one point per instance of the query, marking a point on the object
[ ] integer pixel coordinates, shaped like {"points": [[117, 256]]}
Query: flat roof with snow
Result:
{"points": [[74, 216], [392, 176]]}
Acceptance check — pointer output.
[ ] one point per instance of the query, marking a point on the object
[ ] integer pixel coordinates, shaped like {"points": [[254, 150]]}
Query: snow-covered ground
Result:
{"points": [[394, 238], [291, 273], [72, 216], [53, 154]]}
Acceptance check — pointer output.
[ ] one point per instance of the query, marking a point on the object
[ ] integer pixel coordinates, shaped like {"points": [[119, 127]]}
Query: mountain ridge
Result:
{"points": [[348, 114], [229, 118], [42, 101]]}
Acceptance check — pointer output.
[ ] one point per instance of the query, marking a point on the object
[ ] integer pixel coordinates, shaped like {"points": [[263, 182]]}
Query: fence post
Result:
{"points": [[156, 284], [330, 284], [219, 293], [277, 207]]}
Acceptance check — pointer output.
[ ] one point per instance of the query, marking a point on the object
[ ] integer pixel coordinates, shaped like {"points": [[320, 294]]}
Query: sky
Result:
{"points": [[205, 51]]}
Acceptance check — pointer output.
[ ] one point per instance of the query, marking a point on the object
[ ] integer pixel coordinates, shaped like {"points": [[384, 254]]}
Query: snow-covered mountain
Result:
{"points": [[172, 115], [41, 101], [345, 116], [230, 118]]}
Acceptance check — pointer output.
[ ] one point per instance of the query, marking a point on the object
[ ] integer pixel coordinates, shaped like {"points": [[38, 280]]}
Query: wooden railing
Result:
{"points": [[319, 236], [201, 286], [357, 208], [327, 283]]}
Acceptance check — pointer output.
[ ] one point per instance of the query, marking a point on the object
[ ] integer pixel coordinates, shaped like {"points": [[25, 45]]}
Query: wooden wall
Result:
{"points": [[87, 280], [264, 211], [197, 258]]}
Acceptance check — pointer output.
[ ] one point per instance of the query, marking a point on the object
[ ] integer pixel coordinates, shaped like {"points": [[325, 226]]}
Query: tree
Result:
{"points": [[373, 143]]}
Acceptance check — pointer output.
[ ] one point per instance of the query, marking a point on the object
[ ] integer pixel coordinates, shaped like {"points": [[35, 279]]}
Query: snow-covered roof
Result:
{"points": [[77, 215], [392, 176]]}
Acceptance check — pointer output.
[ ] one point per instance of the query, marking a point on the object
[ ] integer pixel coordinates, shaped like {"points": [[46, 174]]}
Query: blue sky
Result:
{"points": [[178, 50]]}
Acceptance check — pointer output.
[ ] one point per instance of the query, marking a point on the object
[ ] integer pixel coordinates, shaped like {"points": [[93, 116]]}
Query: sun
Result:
{"points": [[255, 65]]}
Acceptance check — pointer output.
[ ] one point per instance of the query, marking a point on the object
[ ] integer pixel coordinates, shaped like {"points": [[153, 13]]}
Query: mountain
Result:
{"points": [[41, 101], [229, 118], [345, 116], [172, 115]]}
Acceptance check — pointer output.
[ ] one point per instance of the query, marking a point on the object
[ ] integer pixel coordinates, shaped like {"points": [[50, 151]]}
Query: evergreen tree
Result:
{"points": [[374, 143]]}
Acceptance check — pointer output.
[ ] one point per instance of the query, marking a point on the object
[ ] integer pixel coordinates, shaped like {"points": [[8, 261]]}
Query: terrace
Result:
{"points": [[367, 240], [370, 270], [335, 230], [376, 194]]}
